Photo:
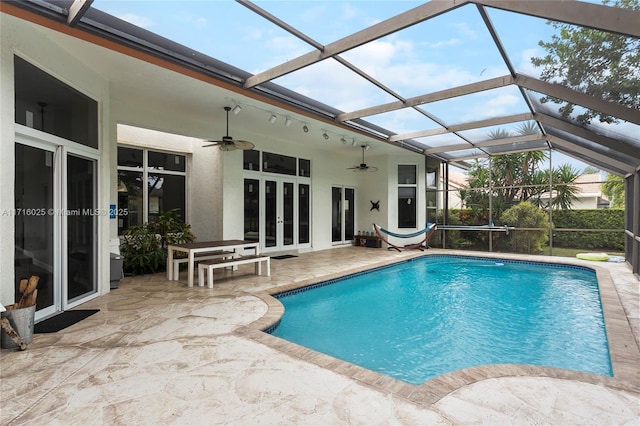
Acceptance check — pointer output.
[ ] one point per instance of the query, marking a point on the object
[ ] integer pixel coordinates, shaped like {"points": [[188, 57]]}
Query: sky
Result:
{"points": [[449, 50]]}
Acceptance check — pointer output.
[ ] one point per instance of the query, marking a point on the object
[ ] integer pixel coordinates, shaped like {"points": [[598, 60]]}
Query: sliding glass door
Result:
{"points": [[55, 224], [342, 214]]}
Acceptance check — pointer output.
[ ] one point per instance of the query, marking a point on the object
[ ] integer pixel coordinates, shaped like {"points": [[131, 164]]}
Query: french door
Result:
{"points": [[276, 212], [55, 223]]}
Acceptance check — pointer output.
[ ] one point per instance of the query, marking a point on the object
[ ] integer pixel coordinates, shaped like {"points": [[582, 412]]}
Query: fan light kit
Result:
{"points": [[363, 167], [228, 143]]}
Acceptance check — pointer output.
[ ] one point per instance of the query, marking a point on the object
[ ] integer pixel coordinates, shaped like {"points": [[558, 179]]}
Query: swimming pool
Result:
{"points": [[432, 315]]}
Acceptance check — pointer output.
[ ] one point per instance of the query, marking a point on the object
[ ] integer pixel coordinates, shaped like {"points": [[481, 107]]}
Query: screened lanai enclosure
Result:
{"points": [[526, 112]]}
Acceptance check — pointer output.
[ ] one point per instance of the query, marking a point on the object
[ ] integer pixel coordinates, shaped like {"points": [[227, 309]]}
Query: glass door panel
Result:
{"points": [[34, 222], [288, 200], [336, 214], [304, 217], [270, 213], [81, 227], [252, 209], [349, 213]]}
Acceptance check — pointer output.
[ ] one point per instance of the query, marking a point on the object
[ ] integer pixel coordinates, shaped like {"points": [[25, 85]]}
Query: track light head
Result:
{"points": [[287, 122], [273, 118], [305, 129], [236, 109], [325, 136], [343, 140]]}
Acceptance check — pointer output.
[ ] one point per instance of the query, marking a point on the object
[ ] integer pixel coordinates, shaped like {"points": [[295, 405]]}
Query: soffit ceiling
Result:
{"points": [[447, 112]]}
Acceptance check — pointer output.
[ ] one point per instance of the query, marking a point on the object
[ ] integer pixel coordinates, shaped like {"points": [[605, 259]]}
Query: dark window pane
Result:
{"points": [[349, 213], [336, 214], [270, 209], [42, 102], [251, 209], [276, 163], [406, 174], [166, 193], [81, 228], [303, 212], [287, 207], [251, 160], [406, 207], [129, 199], [304, 168], [129, 157], [34, 248], [166, 161]]}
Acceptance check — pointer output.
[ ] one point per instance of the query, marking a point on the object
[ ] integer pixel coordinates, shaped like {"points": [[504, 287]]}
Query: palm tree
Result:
{"points": [[613, 188], [563, 179]]}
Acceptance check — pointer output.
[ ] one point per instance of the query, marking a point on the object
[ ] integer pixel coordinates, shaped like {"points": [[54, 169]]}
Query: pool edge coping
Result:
{"points": [[623, 349]]}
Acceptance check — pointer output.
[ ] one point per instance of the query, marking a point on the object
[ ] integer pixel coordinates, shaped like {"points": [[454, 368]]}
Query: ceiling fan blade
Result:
{"points": [[244, 145], [228, 147]]}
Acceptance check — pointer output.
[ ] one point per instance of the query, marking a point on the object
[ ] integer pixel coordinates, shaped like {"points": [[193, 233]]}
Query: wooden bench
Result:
{"points": [[198, 258], [212, 264]]}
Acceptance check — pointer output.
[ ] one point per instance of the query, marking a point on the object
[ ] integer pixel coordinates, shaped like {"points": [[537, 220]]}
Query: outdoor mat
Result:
{"points": [[63, 320], [284, 256]]}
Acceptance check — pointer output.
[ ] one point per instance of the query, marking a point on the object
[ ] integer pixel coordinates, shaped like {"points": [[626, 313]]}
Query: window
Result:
{"points": [[407, 190], [149, 183], [44, 103]]}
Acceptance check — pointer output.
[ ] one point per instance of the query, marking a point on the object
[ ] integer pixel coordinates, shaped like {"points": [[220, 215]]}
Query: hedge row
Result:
{"points": [[589, 219], [567, 219]]}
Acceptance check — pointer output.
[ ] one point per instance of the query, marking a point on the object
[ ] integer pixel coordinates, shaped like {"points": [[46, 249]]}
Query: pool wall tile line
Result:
{"points": [[624, 354]]}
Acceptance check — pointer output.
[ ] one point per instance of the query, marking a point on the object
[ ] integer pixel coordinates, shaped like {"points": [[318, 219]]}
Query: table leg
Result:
{"points": [[191, 262], [169, 263]]}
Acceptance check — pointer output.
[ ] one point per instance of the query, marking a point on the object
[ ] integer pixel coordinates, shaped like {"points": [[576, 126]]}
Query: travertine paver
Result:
{"points": [[159, 352]]}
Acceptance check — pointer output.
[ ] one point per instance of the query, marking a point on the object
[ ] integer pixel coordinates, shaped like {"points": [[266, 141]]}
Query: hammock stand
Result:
{"points": [[428, 233]]}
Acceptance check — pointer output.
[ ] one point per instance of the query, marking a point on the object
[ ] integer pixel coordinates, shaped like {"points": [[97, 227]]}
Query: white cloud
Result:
{"points": [[464, 29], [138, 20], [525, 66]]}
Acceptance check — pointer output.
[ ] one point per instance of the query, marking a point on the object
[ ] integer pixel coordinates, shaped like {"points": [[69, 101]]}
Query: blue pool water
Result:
{"points": [[422, 318]]}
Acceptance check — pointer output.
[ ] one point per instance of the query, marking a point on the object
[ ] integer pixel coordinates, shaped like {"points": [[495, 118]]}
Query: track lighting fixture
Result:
{"points": [[366, 147], [325, 136], [287, 122], [354, 143], [236, 109], [305, 129], [273, 118], [343, 140]]}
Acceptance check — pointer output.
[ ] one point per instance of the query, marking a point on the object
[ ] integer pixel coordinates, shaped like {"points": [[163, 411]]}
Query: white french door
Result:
{"points": [[277, 212], [280, 220]]}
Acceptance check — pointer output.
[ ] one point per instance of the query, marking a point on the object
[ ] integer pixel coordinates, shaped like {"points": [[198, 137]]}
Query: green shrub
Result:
{"points": [[144, 247], [589, 219], [526, 215]]}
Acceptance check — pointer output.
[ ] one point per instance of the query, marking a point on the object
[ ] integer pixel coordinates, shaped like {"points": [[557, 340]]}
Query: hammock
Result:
{"points": [[428, 232]]}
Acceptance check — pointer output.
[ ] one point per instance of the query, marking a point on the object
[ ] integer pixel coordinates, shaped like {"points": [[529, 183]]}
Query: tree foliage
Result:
{"points": [[601, 64], [613, 188], [518, 177]]}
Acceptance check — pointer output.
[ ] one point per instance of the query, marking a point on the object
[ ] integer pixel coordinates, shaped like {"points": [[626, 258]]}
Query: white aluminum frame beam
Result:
{"points": [[480, 86], [465, 126], [487, 143], [578, 98], [374, 32], [77, 10], [596, 156], [606, 18], [612, 144]]}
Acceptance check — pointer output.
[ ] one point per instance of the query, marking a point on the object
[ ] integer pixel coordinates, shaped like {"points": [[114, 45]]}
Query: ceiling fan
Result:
{"points": [[362, 167], [228, 143]]}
